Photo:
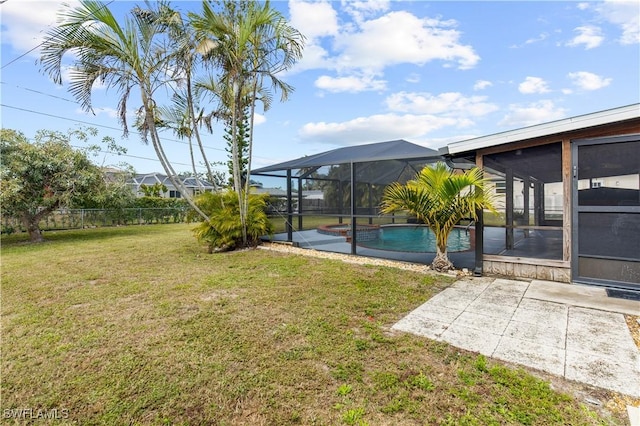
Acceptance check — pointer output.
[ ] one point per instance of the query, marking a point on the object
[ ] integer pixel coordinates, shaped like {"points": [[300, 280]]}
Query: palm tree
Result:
{"points": [[440, 198], [224, 231], [186, 54], [250, 43], [133, 55]]}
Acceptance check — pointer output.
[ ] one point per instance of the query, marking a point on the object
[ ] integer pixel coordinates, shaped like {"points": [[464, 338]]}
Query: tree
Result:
{"points": [[184, 113], [250, 43], [440, 198], [40, 177], [136, 54], [243, 149], [154, 190]]}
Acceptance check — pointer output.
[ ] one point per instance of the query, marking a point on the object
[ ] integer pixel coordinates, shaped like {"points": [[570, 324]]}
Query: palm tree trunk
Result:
{"points": [[236, 154], [441, 262], [250, 142], [196, 132], [166, 165]]}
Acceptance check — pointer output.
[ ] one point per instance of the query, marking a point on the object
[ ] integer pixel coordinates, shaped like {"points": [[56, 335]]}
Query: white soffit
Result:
{"points": [[546, 129]]}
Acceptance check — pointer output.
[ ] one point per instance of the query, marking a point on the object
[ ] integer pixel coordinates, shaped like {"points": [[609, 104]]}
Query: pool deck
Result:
{"points": [[338, 244]]}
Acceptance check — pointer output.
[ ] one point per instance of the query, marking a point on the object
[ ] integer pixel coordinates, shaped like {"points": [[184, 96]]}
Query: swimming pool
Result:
{"points": [[417, 239]]}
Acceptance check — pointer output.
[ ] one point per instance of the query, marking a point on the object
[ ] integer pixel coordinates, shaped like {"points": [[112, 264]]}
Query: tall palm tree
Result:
{"points": [[440, 198], [186, 54], [124, 57], [250, 43]]}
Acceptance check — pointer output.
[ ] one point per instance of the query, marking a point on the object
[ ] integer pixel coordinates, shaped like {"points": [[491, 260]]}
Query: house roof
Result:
{"points": [[546, 129], [381, 151], [153, 178]]}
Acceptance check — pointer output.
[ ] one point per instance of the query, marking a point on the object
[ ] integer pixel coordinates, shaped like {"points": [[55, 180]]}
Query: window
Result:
{"points": [[174, 194]]}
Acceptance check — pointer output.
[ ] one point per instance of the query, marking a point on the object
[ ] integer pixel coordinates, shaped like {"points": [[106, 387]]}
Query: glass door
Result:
{"points": [[606, 214]]}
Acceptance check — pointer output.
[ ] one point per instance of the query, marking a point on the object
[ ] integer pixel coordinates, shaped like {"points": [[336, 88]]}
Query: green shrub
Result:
{"points": [[223, 231]]}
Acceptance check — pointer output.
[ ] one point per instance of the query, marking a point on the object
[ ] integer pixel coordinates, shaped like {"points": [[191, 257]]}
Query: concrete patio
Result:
{"points": [[572, 331]]}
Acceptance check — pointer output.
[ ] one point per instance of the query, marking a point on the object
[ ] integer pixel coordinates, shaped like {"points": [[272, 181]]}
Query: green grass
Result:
{"points": [[138, 325]]}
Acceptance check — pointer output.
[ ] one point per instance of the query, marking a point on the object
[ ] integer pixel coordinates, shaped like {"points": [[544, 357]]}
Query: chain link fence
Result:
{"points": [[93, 218]]}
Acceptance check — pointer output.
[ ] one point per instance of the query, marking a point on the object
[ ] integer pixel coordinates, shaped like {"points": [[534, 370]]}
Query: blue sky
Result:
{"points": [[427, 72]]}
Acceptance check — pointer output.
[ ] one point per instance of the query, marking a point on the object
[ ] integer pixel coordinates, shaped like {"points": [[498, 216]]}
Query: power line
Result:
{"points": [[95, 125], [106, 127], [40, 44], [39, 92], [135, 156]]}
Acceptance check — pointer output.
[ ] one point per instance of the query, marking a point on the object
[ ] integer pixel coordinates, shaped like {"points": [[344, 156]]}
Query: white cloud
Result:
{"points": [[588, 81], [446, 104], [626, 15], [376, 128], [588, 35], [482, 84], [401, 37], [259, 119], [360, 10], [314, 20], [374, 39], [352, 84], [24, 27], [535, 113], [532, 85], [413, 78]]}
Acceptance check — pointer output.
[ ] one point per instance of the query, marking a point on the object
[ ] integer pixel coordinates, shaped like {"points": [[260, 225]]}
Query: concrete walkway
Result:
{"points": [[572, 331]]}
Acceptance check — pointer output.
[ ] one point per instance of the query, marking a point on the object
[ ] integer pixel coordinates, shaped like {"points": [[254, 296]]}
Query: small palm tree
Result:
{"points": [[223, 231], [440, 198]]}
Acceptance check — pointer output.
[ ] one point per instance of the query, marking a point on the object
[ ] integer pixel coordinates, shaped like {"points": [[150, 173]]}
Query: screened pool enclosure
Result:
{"points": [[334, 197]]}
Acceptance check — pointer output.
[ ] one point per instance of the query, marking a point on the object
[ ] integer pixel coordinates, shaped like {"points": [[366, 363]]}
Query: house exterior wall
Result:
{"points": [[557, 198]]}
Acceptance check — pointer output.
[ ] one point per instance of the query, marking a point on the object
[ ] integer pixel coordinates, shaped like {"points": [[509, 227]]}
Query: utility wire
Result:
{"points": [[96, 125], [40, 44], [134, 156], [105, 126], [39, 92]]}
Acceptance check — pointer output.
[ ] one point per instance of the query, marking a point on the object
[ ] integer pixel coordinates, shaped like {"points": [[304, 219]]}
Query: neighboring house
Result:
{"points": [[193, 185]]}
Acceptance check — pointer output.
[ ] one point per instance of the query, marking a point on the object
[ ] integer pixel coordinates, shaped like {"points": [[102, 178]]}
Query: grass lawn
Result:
{"points": [[138, 325]]}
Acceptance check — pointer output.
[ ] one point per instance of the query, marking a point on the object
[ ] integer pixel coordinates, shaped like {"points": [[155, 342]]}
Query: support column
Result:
{"points": [[526, 184], [353, 209], [289, 208], [299, 204], [370, 203], [567, 201], [479, 230], [509, 209], [341, 200]]}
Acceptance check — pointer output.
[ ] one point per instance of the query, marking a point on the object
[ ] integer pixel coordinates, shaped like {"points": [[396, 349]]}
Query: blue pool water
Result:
{"points": [[417, 239]]}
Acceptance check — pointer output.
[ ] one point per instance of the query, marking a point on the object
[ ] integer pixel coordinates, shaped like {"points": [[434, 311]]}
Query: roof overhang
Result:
{"points": [[546, 129]]}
